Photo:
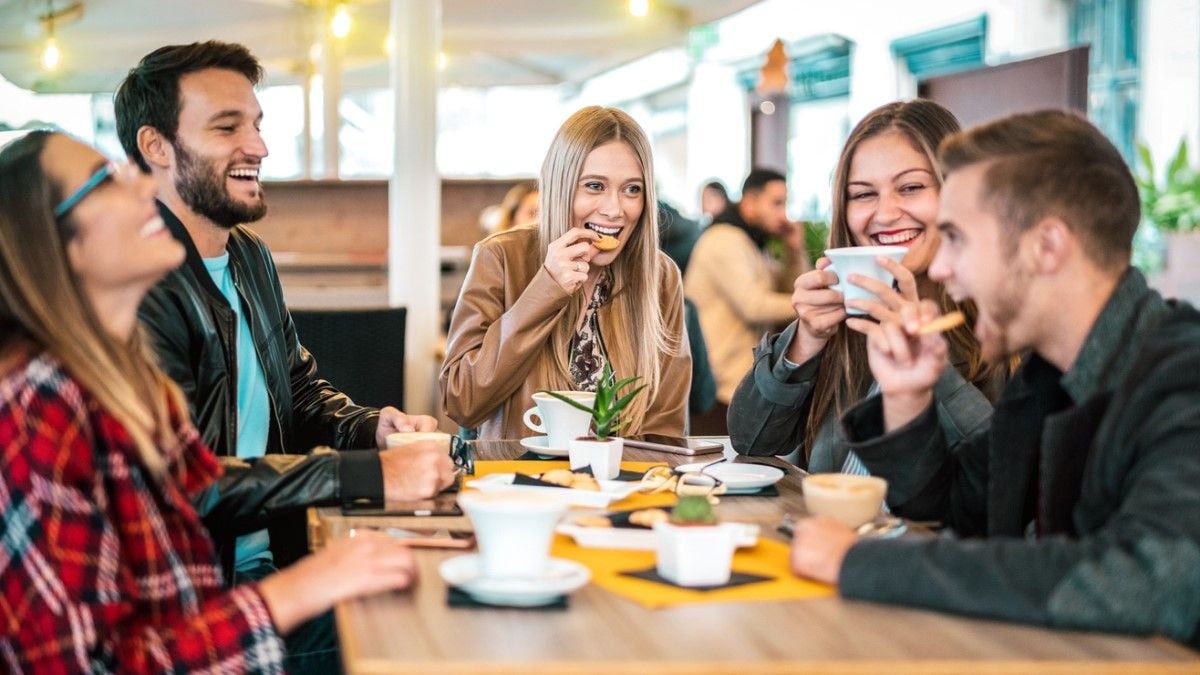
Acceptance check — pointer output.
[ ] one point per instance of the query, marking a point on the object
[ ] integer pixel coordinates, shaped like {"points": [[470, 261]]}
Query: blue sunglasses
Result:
{"points": [[103, 173]]}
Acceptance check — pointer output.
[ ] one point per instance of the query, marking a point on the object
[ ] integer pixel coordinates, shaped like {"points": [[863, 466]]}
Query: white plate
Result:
{"points": [[610, 490], [637, 538], [739, 476], [466, 572], [540, 445]]}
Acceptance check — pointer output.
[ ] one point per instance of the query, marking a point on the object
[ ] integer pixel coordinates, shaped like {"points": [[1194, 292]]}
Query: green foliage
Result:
{"points": [[609, 403], [693, 510], [1174, 204], [816, 239]]}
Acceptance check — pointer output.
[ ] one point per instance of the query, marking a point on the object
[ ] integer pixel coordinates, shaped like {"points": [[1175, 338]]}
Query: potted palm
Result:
{"points": [[1172, 207], [693, 549], [602, 450]]}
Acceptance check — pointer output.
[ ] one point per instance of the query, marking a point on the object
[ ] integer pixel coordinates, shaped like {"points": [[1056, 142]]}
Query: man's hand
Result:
{"points": [[392, 420], [418, 470], [819, 546], [905, 363]]}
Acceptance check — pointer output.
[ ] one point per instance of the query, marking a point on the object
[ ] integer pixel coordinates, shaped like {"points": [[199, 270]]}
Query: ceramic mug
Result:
{"points": [[861, 260]]}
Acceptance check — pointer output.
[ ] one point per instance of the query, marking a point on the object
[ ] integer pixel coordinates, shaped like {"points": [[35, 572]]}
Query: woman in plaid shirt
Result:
{"points": [[104, 565]]}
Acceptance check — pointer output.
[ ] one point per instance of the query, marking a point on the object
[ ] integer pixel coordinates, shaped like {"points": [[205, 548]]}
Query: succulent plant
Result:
{"points": [[609, 402], [693, 510]]}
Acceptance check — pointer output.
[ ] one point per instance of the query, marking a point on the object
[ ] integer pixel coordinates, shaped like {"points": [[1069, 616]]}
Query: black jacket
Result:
{"points": [[1082, 499], [193, 330]]}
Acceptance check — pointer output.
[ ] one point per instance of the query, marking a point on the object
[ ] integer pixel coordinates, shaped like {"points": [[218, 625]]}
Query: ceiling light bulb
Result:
{"points": [[339, 25], [639, 8], [442, 60], [387, 44], [51, 56]]}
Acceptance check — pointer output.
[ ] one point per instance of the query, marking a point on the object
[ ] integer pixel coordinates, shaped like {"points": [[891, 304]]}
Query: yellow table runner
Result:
{"points": [[768, 558]]}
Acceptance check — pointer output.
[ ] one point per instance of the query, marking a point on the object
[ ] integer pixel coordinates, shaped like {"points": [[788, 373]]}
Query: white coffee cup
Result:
{"points": [[513, 531], [850, 498], [861, 260], [402, 438], [559, 420]]}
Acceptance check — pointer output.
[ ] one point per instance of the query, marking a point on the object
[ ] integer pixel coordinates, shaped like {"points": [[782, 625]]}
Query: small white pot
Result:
{"points": [[603, 456], [696, 555]]}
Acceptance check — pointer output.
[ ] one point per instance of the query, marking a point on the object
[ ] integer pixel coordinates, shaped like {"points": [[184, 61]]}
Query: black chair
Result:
{"points": [[360, 351]]}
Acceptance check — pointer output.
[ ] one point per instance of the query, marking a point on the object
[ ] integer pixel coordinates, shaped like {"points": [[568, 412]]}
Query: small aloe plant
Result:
{"points": [[609, 403]]}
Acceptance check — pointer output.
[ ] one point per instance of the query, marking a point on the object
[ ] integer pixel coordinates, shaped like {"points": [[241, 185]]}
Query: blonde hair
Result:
{"points": [[638, 340], [512, 201], [43, 302]]}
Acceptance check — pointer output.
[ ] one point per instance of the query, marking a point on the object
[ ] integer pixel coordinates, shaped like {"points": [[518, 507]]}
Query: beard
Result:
{"points": [[202, 187], [995, 345]]}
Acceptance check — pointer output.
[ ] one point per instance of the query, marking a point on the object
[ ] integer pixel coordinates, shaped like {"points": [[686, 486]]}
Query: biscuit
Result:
{"points": [[648, 517], [593, 521], [606, 243]]}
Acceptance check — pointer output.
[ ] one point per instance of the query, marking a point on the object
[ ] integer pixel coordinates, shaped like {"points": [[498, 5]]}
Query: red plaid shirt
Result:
{"points": [[103, 567]]}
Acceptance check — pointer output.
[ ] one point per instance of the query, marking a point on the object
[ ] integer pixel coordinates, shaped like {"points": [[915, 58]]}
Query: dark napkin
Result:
{"points": [[624, 475], [735, 579], [525, 479], [456, 597], [531, 455]]}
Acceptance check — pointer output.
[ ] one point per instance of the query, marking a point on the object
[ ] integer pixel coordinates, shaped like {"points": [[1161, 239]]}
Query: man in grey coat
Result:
{"points": [[1079, 505]]}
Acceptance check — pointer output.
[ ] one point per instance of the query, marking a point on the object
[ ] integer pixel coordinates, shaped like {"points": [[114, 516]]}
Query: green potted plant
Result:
{"points": [[693, 549], [602, 451], [1172, 208]]}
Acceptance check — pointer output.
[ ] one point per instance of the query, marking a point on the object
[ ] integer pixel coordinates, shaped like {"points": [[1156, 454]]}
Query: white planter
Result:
{"points": [[696, 555], [603, 456]]}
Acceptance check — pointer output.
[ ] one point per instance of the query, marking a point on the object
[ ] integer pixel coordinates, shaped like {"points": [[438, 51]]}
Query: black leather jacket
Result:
{"points": [[193, 330]]}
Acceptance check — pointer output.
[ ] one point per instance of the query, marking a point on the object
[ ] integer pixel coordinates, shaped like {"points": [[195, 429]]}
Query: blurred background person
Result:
{"points": [[738, 276], [714, 199], [546, 307], [677, 237], [519, 206], [885, 191]]}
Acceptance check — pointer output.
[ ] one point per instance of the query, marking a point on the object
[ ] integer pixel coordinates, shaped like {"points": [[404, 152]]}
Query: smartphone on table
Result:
{"points": [[677, 445], [443, 504], [429, 538]]}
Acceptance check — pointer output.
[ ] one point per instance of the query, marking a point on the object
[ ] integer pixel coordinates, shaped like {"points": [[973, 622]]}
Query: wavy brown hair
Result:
{"points": [[43, 307], [843, 376]]}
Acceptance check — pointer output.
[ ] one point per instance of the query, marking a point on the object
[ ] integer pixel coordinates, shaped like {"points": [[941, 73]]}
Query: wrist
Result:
{"points": [[900, 408], [803, 347]]}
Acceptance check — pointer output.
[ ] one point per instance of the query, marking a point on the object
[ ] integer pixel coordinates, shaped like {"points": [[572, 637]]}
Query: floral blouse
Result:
{"points": [[588, 354]]}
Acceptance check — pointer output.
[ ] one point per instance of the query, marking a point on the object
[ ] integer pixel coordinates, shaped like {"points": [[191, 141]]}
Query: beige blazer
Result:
{"points": [[506, 311]]}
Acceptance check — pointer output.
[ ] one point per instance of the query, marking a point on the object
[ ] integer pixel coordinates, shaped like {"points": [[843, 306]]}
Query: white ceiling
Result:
{"points": [[487, 42]]}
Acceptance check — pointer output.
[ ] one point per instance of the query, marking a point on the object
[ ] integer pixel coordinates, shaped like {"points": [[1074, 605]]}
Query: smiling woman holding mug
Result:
{"points": [[547, 307], [107, 565], [885, 193]]}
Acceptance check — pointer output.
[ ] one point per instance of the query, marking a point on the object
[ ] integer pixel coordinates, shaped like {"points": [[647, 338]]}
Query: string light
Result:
{"points": [[639, 8], [387, 44], [339, 25], [442, 60]]}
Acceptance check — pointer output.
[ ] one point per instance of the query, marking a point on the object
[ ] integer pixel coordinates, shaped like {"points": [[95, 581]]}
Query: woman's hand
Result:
{"points": [[568, 256], [889, 302], [346, 568], [819, 310]]}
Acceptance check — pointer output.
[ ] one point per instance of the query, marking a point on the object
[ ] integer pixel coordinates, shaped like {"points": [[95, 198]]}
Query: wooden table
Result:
{"points": [[600, 632]]}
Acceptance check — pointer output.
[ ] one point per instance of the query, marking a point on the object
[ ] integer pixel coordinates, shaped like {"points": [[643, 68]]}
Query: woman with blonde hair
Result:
{"points": [[547, 307], [108, 566], [885, 192]]}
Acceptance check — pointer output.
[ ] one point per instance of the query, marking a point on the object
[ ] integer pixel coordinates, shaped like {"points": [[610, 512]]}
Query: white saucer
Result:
{"points": [[739, 476], [466, 572], [539, 445]]}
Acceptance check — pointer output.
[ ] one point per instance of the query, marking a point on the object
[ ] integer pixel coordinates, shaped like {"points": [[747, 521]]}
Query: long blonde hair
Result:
{"points": [[843, 376], [42, 305], [637, 340]]}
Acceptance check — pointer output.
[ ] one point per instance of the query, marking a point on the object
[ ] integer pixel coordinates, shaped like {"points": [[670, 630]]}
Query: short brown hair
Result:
{"points": [[1053, 163]]}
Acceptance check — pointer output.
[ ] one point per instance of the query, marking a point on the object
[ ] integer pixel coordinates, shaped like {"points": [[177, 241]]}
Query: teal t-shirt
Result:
{"points": [[253, 406]]}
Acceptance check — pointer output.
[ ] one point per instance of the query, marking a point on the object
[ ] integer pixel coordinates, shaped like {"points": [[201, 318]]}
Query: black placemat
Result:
{"points": [[456, 597], [533, 456], [736, 579], [624, 475]]}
